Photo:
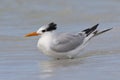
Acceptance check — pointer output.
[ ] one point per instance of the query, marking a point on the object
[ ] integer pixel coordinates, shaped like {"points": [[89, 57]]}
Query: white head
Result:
{"points": [[46, 28]]}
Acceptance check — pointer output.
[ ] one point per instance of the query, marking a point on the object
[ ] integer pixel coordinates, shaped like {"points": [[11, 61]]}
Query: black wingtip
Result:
{"points": [[94, 27], [90, 30]]}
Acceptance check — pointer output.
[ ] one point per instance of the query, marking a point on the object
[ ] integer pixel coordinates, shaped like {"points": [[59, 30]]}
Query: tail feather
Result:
{"points": [[96, 33], [90, 30]]}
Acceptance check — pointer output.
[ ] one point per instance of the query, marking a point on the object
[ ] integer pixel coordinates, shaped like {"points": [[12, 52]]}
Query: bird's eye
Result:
{"points": [[43, 30]]}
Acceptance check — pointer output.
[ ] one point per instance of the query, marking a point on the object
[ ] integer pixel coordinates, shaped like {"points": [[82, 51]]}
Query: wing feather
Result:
{"points": [[66, 42]]}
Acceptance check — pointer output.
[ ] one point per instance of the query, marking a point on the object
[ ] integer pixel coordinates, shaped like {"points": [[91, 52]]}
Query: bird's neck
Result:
{"points": [[47, 34], [45, 40]]}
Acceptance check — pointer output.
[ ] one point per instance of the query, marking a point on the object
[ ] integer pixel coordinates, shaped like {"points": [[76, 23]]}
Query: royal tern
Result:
{"points": [[63, 45]]}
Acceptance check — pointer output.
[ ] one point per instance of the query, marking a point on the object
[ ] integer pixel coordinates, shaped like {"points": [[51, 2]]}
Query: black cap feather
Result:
{"points": [[51, 26]]}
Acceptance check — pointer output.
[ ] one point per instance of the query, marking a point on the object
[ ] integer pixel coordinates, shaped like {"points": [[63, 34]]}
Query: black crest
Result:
{"points": [[51, 26]]}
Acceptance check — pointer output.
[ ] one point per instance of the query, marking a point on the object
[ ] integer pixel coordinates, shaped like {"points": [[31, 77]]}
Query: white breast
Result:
{"points": [[44, 43]]}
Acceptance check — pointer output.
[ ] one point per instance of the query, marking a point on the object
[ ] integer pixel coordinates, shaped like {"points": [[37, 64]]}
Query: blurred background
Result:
{"points": [[20, 58]]}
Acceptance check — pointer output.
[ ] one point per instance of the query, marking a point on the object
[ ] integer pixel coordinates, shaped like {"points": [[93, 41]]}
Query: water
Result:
{"points": [[21, 60]]}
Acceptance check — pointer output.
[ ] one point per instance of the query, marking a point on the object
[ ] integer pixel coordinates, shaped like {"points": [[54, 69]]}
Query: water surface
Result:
{"points": [[20, 58]]}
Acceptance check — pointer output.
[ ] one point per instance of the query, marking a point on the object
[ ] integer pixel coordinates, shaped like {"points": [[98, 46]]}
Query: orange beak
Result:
{"points": [[32, 34]]}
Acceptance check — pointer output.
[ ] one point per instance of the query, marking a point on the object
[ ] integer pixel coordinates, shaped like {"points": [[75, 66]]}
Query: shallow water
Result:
{"points": [[21, 60]]}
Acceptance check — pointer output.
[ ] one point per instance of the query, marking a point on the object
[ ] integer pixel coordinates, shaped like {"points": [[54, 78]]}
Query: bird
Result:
{"points": [[63, 45]]}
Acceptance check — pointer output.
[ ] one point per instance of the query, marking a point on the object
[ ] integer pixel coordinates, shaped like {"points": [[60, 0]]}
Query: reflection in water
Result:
{"points": [[50, 67]]}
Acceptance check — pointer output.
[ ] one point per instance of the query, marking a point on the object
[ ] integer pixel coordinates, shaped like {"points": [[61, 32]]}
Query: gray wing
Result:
{"points": [[66, 42]]}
